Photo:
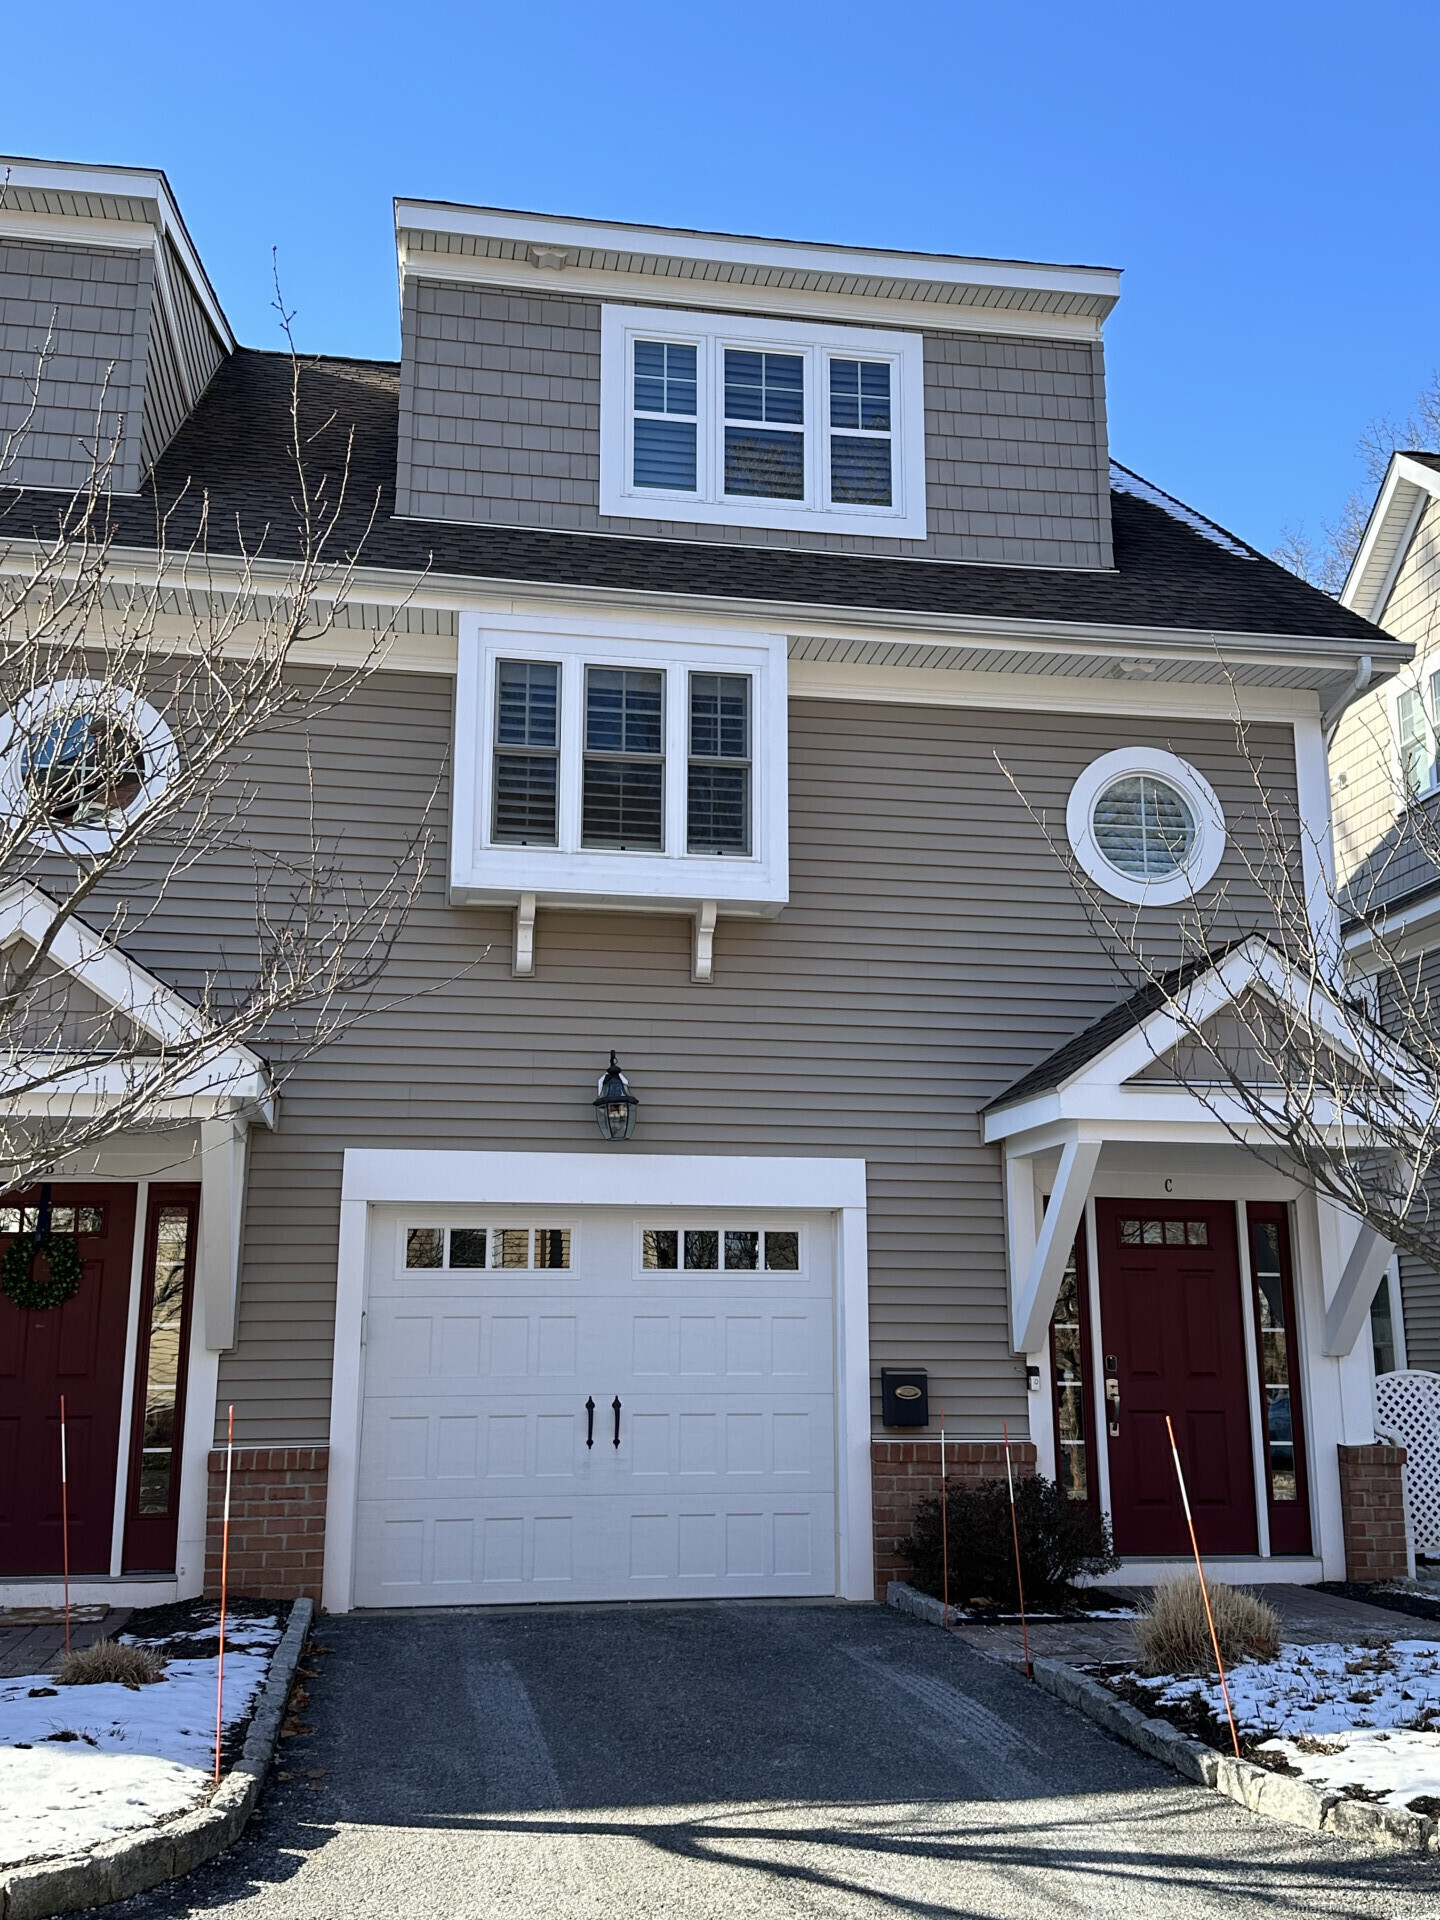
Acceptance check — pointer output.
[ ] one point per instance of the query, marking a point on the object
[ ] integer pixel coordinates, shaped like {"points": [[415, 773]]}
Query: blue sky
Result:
{"points": [[1263, 172]]}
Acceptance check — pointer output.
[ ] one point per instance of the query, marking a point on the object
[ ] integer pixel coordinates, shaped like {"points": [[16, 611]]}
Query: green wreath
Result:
{"points": [[17, 1272]]}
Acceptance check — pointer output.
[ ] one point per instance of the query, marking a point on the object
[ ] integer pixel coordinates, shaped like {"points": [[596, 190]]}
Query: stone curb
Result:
{"points": [[1278, 1796], [119, 1868]]}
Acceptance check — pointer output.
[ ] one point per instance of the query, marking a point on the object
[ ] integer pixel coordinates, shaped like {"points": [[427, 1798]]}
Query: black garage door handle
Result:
{"points": [[616, 1404]]}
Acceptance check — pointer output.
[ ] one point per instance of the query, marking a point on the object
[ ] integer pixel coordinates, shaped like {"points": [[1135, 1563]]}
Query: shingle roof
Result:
{"points": [[233, 452], [1058, 1067]]}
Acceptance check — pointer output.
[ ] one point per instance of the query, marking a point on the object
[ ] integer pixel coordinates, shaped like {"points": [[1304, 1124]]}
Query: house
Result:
{"points": [[1386, 775], [797, 671]]}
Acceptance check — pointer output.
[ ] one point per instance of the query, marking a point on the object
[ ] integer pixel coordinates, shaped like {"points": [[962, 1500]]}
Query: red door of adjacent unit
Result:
{"points": [[1173, 1341], [77, 1350]]}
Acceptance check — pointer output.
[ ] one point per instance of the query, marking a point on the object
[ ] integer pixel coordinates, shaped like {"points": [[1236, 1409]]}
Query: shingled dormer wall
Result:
{"points": [[104, 348], [500, 425]]}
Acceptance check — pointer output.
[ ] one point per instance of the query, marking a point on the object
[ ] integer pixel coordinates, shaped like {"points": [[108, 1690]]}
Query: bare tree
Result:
{"points": [[1325, 562], [1332, 1082], [136, 695]]}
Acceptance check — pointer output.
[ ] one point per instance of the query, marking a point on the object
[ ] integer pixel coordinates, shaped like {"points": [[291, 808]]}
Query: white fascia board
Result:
{"points": [[658, 245], [609, 1177], [1329, 658], [1404, 493], [151, 189]]}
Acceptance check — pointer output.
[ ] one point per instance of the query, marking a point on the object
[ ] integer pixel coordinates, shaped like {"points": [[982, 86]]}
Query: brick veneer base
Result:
{"points": [[1372, 1506], [277, 1521], [905, 1472]]}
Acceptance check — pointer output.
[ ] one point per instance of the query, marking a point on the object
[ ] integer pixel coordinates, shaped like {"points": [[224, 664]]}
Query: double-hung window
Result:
{"points": [[665, 407], [1417, 724], [718, 810], [624, 791], [527, 752], [731, 419]]}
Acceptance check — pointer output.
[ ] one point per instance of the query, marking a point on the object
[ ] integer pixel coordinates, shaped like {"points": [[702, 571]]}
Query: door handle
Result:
{"points": [[1112, 1405], [590, 1421], [616, 1404]]}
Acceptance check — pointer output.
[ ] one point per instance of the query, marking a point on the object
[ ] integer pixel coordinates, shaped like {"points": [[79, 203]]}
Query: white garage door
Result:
{"points": [[487, 1474]]}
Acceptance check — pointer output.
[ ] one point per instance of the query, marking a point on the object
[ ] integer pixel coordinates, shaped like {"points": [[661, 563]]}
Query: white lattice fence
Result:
{"points": [[1408, 1405]]}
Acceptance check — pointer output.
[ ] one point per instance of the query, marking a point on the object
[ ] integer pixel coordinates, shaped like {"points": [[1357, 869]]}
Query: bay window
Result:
{"points": [[621, 766]]}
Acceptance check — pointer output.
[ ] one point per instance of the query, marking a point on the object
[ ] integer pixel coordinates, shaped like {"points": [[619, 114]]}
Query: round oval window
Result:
{"points": [[82, 767], [1144, 827]]}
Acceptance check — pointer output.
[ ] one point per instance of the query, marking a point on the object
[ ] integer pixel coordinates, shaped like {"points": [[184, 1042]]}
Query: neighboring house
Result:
{"points": [[1385, 762], [775, 624]]}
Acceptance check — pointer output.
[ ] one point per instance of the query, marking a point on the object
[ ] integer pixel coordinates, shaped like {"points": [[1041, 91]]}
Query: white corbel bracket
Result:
{"points": [[524, 965], [1364, 1270], [1035, 1290], [702, 966]]}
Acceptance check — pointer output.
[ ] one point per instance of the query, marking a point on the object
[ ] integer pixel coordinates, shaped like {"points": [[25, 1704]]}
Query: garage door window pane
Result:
{"points": [[512, 1246], [702, 1248], [660, 1248], [467, 1246], [742, 1250], [425, 1247], [782, 1252], [552, 1246]]}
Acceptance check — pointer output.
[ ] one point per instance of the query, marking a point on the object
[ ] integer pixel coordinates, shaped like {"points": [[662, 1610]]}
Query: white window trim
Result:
{"points": [[1204, 805], [150, 731], [710, 333], [757, 882], [662, 1182], [1417, 681]]}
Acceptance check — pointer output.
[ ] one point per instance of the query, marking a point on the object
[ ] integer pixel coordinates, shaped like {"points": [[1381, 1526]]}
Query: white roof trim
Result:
{"points": [[235, 1075], [1101, 1100], [58, 194], [1407, 489], [677, 253]]}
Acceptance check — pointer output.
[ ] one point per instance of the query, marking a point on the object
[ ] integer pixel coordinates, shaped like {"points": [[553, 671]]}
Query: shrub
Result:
{"points": [[1174, 1634], [1059, 1540], [108, 1661]]}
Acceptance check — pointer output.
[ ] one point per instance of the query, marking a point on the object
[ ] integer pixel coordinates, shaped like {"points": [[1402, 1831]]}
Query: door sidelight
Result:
{"points": [[616, 1405]]}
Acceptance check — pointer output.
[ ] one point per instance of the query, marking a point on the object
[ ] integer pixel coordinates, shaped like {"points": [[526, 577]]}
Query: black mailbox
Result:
{"points": [[905, 1396]]}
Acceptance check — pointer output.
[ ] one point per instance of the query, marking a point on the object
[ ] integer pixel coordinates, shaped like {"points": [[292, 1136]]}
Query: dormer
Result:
{"points": [[111, 324], [595, 377]]}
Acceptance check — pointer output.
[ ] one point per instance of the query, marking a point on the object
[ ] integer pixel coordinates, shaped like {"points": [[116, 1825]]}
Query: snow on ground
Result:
{"points": [[1342, 1715], [134, 1755]]}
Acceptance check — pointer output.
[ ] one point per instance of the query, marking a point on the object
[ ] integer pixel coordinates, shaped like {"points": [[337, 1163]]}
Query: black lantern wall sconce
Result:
{"points": [[616, 1107]]}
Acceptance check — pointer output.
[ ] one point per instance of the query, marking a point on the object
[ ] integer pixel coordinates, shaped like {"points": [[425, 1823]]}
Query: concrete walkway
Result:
{"points": [[1307, 1618], [757, 1761]]}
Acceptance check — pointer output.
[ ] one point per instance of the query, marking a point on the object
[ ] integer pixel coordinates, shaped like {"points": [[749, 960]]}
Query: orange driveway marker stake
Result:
{"points": [[1204, 1590], [224, 1582], [1015, 1536], [65, 1521], [944, 1529]]}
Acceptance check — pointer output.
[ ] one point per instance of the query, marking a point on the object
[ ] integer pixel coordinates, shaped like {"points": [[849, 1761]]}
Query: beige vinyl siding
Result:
{"points": [[1380, 851], [933, 951], [1378, 855]]}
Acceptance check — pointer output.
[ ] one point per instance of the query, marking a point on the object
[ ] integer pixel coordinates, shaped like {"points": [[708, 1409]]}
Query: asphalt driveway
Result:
{"points": [[693, 1763]]}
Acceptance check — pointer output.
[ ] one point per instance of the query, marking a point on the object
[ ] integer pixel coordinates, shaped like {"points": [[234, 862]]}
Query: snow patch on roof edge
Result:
{"points": [[1123, 481]]}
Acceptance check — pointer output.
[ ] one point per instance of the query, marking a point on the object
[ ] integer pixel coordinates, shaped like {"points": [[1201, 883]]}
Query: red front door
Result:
{"points": [[1173, 1342], [77, 1350]]}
